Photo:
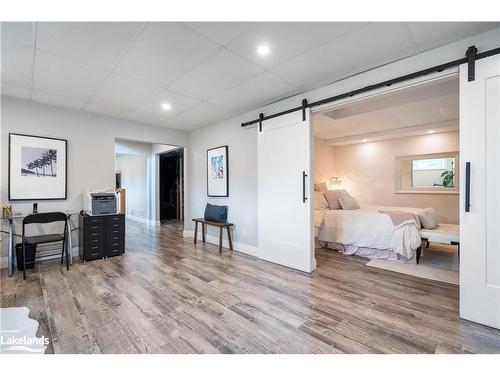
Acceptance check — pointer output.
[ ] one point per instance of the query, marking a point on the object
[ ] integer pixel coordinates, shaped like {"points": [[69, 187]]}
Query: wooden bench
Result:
{"points": [[221, 227]]}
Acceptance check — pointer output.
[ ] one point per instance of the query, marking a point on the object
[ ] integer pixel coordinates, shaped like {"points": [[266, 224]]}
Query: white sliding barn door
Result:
{"points": [[480, 228], [284, 162]]}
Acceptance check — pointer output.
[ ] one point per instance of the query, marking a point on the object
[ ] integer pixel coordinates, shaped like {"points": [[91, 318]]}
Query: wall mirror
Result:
{"points": [[435, 173]]}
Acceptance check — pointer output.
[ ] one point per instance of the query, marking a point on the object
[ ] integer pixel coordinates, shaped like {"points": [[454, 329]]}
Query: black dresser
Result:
{"points": [[101, 236]]}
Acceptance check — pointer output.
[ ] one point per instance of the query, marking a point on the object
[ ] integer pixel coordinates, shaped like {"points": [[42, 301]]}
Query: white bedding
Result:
{"points": [[367, 228]]}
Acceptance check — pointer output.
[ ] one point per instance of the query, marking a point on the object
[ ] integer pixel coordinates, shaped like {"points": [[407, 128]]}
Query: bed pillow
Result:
{"points": [[427, 218], [319, 201], [332, 197], [348, 202], [321, 187]]}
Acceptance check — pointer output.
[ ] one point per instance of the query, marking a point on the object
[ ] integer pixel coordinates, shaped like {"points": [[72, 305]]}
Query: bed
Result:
{"points": [[379, 232]]}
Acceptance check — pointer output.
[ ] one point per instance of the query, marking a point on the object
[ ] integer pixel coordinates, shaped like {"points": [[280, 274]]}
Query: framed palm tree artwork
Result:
{"points": [[218, 172], [37, 167]]}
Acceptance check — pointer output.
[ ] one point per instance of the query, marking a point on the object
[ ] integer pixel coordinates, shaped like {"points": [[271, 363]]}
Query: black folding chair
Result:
{"points": [[45, 218]]}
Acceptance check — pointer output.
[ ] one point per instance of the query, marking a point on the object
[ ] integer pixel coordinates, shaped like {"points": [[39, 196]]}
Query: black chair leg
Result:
{"points": [[67, 254], [24, 261], [63, 250]]}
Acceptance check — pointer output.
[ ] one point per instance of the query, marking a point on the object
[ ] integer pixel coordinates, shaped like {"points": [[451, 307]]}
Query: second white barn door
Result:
{"points": [[284, 188], [480, 193]]}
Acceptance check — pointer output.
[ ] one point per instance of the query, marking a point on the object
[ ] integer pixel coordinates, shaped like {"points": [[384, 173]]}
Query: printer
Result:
{"points": [[100, 202]]}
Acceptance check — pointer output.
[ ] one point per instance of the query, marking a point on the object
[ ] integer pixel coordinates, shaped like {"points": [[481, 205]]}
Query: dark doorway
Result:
{"points": [[172, 186]]}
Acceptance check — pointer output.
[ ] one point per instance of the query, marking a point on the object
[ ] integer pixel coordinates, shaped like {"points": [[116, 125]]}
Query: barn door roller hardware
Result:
{"points": [[304, 107], [471, 62], [470, 59]]}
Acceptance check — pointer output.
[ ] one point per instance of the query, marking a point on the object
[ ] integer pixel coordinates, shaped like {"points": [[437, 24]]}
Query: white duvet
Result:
{"points": [[369, 228]]}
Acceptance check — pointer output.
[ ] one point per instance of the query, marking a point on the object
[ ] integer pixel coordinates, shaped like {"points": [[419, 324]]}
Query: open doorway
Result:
{"points": [[150, 181], [386, 179], [171, 188]]}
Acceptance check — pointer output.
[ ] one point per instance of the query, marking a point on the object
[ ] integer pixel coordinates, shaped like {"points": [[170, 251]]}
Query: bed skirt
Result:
{"points": [[366, 252]]}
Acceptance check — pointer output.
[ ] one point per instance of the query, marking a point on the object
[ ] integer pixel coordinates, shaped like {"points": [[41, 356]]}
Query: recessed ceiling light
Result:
{"points": [[263, 50], [430, 131], [166, 106], [365, 140]]}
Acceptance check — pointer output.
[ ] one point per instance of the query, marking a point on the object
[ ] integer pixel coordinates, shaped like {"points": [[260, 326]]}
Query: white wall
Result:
{"points": [[135, 180], [242, 200], [91, 146], [242, 144]]}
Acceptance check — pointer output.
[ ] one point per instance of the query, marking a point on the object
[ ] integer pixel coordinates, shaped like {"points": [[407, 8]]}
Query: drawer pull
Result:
{"points": [[115, 244], [94, 240], [94, 254], [94, 247], [94, 234]]}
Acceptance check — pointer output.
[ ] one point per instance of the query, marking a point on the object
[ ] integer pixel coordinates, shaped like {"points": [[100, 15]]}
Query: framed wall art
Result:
{"points": [[37, 167], [218, 172]]}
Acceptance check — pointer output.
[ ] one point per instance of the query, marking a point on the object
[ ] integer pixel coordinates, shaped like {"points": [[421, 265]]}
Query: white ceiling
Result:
{"points": [[431, 107], [207, 71]]}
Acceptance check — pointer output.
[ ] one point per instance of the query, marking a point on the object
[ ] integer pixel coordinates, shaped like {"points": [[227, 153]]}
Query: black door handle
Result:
{"points": [[467, 186], [304, 175]]}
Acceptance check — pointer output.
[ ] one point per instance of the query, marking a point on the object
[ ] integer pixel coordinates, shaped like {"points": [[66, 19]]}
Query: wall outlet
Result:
{"points": [[244, 232]]}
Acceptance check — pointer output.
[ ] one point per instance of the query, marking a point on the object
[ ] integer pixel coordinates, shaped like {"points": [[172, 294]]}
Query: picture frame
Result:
{"points": [[38, 168], [218, 172]]}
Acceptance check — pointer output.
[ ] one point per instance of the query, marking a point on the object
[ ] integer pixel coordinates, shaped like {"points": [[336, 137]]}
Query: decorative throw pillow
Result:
{"points": [[348, 202], [428, 218], [332, 197], [320, 187], [319, 201]]}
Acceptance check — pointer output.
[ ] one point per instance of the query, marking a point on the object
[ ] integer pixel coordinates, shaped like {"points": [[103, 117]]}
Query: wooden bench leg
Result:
{"points": [[229, 239], [195, 231], [220, 240], [419, 252], [203, 232]]}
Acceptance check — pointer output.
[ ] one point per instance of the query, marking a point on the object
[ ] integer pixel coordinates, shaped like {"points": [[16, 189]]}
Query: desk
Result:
{"points": [[10, 231]]}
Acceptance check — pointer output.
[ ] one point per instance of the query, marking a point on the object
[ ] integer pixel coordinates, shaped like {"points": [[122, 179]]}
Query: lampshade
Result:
{"points": [[335, 182]]}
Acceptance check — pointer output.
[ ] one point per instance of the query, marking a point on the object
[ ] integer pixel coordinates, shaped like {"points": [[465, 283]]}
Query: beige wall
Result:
{"points": [[368, 171], [323, 167]]}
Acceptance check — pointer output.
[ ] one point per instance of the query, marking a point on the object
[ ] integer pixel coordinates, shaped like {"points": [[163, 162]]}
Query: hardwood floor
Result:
{"points": [[167, 296]]}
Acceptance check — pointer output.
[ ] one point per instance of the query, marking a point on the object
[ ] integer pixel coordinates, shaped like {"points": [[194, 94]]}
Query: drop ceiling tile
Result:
{"points": [[364, 48], [222, 32], [429, 35], [98, 44], [16, 63], [43, 97], [144, 117], [123, 92], [20, 32], [15, 91], [176, 124], [64, 77], [223, 71], [204, 114], [287, 39], [105, 110], [263, 89], [164, 52]]}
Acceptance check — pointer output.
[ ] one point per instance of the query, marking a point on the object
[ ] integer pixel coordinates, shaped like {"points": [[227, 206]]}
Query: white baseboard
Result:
{"points": [[138, 219], [237, 246], [153, 223], [4, 263]]}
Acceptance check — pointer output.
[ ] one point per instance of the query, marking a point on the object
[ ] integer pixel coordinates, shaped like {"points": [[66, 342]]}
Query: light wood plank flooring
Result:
{"points": [[166, 295]]}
